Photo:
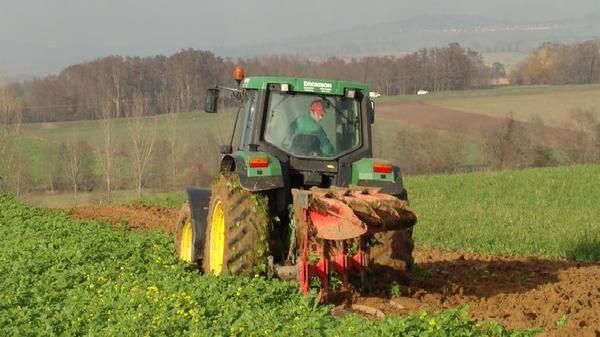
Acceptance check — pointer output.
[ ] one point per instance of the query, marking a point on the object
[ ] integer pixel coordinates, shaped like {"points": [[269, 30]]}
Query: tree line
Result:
{"points": [[178, 82], [110, 85], [554, 63]]}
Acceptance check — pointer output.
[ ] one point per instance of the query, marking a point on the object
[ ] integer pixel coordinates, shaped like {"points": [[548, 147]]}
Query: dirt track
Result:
{"points": [[518, 292]]}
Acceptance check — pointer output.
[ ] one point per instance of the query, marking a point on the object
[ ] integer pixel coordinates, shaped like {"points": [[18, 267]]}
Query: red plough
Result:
{"points": [[333, 228]]}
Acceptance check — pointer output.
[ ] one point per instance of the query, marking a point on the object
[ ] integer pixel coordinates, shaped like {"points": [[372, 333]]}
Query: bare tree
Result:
{"points": [[77, 155], [73, 161], [116, 76], [107, 150], [53, 161], [498, 71], [584, 147], [176, 147], [143, 135], [11, 165], [508, 145]]}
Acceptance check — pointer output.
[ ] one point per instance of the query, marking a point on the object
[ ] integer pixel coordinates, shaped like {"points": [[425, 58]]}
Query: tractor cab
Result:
{"points": [[316, 129]]}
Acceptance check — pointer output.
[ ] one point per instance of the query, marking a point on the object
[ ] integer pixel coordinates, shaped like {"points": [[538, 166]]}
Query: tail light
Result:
{"points": [[382, 168], [259, 162]]}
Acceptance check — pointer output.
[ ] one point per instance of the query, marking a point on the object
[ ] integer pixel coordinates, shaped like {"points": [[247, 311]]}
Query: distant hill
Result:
{"points": [[398, 37]]}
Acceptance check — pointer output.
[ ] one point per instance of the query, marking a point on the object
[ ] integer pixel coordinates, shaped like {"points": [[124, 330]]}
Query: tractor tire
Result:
{"points": [[390, 259], [237, 229], [184, 235]]}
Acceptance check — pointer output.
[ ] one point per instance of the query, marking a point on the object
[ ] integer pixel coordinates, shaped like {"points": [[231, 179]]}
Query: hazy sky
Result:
{"points": [[45, 35]]}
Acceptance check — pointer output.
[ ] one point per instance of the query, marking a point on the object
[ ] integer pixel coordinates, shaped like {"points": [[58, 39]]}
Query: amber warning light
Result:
{"points": [[238, 74]]}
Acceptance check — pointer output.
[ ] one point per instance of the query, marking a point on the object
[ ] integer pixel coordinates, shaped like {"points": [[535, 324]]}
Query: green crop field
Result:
{"points": [[187, 124], [66, 199], [66, 278], [550, 212], [550, 103]]}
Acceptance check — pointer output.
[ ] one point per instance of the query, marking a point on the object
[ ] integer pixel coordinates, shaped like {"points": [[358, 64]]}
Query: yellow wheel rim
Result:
{"points": [[185, 247], [217, 239]]}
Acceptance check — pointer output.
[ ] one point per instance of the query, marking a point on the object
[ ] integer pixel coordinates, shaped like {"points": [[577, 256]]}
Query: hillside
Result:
{"points": [[407, 35], [550, 104]]}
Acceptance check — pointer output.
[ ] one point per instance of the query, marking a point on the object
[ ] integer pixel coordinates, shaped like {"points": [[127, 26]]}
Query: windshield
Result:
{"points": [[307, 125]]}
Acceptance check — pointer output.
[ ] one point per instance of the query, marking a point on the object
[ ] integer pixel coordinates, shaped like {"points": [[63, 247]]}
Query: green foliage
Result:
{"points": [[395, 289], [562, 321], [550, 212], [169, 200], [65, 278]]}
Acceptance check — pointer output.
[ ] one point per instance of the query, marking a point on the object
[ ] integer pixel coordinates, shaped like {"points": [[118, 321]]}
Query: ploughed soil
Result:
{"points": [[427, 116], [133, 216], [562, 297]]}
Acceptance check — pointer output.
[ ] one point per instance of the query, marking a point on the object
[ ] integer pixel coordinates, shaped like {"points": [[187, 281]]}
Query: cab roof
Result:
{"points": [[309, 85]]}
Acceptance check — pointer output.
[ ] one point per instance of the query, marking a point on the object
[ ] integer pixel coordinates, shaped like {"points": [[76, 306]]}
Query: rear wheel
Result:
{"points": [[237, 229], [184, 235], [393, 249], [390, 258]]}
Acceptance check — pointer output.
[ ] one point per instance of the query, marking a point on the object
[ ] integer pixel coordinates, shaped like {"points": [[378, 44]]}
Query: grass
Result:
{"points": [[550, 212], [66, 199], [191, 128], [550, 103], [169, 200], [188, 125]]}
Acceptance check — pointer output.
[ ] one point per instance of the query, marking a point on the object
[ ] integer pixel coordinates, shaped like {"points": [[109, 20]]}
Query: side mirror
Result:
{"points": [[371, 111], [212, 98]]}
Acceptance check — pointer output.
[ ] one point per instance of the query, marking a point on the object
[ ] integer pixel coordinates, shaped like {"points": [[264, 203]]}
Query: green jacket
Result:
{"points": [[308, 126]]}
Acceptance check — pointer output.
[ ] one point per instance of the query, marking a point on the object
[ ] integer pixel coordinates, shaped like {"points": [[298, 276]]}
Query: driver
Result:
{"points": [[309, 124]]}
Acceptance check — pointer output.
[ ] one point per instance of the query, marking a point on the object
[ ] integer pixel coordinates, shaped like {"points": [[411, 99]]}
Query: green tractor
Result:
{"points": [[300, 197]]}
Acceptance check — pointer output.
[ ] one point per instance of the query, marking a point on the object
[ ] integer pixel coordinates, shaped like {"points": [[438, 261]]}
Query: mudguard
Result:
{"points": [[363, 175], [395, 188], [254, 179], [199, 199]]}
